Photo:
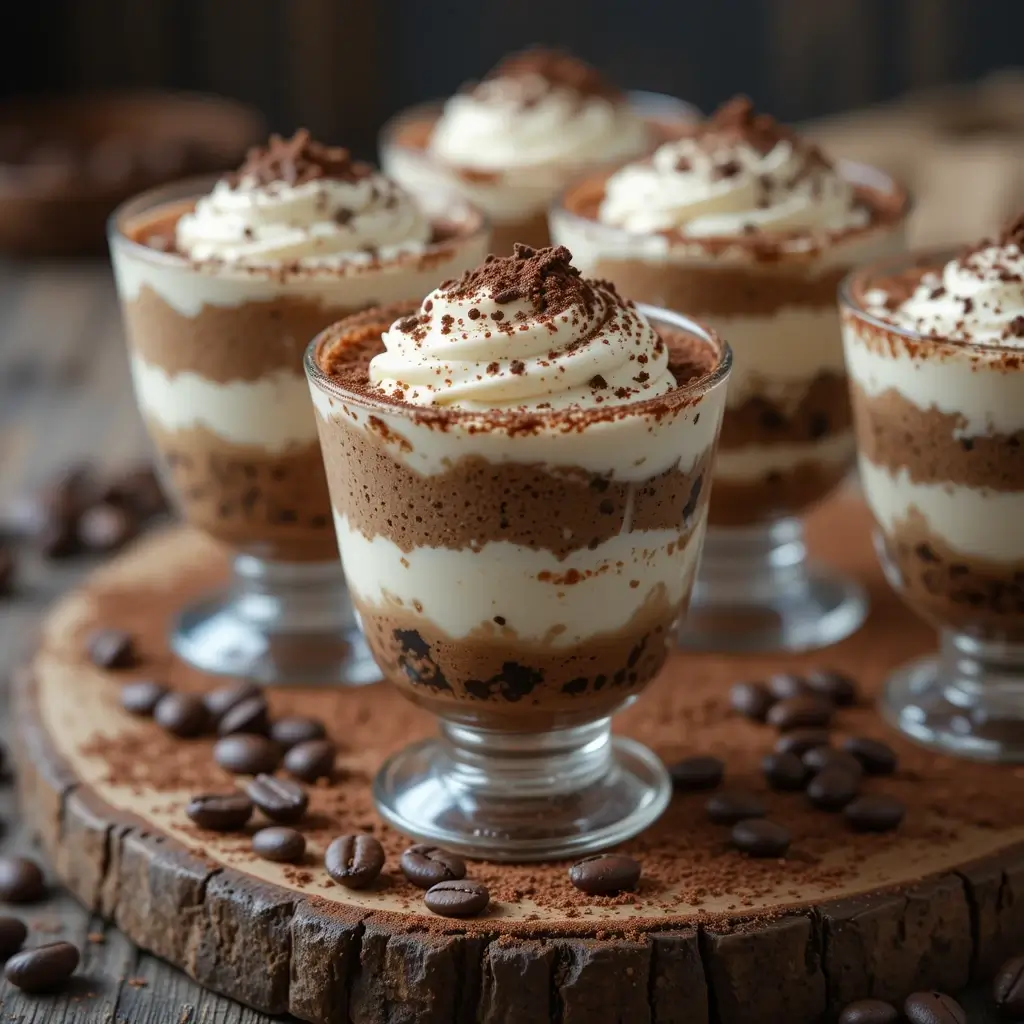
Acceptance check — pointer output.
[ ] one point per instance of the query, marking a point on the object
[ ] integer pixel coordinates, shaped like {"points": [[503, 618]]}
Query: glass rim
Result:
{"points": [[487, 420]]}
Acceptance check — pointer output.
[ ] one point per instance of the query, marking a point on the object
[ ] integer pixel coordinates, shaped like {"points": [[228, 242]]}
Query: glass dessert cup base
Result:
{"points": [[506, 796], [278, 624], [756, 590], [968, 699]]}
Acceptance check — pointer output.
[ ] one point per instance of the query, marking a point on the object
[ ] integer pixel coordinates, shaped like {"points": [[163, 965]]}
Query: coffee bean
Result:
{"points": [[605, 873], [245, 754], [182, 714], [760, 838], [869, 1011], [806, 712], [12, 935], [833, 789], [111, 648], [878, 758], [728, 808], [933, 1008], [220, 812], [279, 799], [354, 861], [250, 716], [874, 813], [426, 865], [311, 760], [279, 844], [290, 732], [1008, 988], [799, 741], [457, 898], [21, 880], [784, 771], [751, 699], [834, 686], [697, 773], [818, 759], [42, 969], [786, 686], [106, 527], [220, 701], [141, 697]]}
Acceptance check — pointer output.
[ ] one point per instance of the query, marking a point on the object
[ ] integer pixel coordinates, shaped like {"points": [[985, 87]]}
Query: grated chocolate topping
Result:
{"points": [[559, 70], [298, 160], [1013, 232]]}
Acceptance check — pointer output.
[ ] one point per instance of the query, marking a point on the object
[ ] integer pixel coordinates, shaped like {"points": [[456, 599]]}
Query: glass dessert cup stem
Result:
{"points": [[521, 796], [757, 590], [277, 623]]}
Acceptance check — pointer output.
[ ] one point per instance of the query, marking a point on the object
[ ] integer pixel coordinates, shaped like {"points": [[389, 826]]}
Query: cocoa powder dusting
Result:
{"points": [[298, 160]]}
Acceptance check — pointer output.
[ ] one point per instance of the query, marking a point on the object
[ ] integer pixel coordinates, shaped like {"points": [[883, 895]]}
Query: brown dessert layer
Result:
{"points": [[274, 505], [895, 433], [980, 597]]}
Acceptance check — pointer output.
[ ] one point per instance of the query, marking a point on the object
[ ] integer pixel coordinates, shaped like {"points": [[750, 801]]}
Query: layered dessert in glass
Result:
{"points": [[512, 142], [935, 350], [750, 228], [222, 285], [518, 470]]}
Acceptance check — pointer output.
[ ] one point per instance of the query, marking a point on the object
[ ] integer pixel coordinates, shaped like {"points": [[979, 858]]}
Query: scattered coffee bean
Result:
{"points": [[728, 808], [786, 686], [279, 844], [249, 716], [111, 648], [933, 1008], [878, 758], [605, 874], [8, 569], [182, 714], [805, 712], [290, 732], [311, 760], [21, 880], [760, 838], [426, 865], [13, 933], [279, 799], [106, 527], [1008, 988], [818, 759], [784, 771], [245, 754], [141, 697], [457, 898], [220, 812], [833, 789], [751, 699], [697, 773], [354, 861], [799, 741], [42, 969], [220, 701], [834, 686], [869, 1011], [874, 813]]}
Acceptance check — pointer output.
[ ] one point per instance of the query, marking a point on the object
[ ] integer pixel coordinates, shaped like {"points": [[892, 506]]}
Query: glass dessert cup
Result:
{"points": [[787, 438], [940, 429], [216, 358], [520, 576]]}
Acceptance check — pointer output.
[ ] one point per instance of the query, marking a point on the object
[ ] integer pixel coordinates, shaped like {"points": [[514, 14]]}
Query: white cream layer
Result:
{"points": [[976, 522], [272, 412], [753, 463], [462, 591]]}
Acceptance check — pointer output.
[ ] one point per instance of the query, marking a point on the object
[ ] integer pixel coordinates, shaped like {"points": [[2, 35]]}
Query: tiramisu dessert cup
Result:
{"points": [[749, 228], [517, 471], [222, 286], [511, 143], [935, 351]]}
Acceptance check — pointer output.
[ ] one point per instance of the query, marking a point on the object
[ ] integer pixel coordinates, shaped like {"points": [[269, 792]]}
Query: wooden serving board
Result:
{"points": [[709, 935]]}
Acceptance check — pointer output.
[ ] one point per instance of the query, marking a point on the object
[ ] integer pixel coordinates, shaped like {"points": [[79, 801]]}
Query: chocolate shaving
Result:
{"points": [[736, 121], [559, 69], [1013, 232], [298, 160]]}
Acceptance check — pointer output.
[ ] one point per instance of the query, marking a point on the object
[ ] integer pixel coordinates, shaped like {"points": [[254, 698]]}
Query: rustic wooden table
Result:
{"points": [[65, 395]]}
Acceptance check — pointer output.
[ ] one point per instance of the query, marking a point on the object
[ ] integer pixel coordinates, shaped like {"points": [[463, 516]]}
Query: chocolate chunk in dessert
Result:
{"points": [[112, 648], [784, 771], [21, 880], [298, 160], [248, 716], [820, 759], [786, 685], [832, 789], [246, 754], [220, 701], [290, 732], [275, 843], [457, 898], [799, 741], [933, 1008], [805, 712], [837, 687], [874, 813], [354, 861], [106, 527], [311, 760], [425, 865], [279, 799], [605, 874], [730, 807], [1008, 988], [142, 696], [13, 933], [760, 838], [43, 969], [751, 699], [182, 714], [220, 812], [697, 773], [878, 758], [869, 1011]]}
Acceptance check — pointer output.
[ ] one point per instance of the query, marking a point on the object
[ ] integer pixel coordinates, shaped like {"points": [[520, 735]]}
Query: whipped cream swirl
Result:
{"points": [[479, 345]]}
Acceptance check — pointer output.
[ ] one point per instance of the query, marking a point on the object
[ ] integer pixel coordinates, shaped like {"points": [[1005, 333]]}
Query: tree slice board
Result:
{"points": [[709, 935]]}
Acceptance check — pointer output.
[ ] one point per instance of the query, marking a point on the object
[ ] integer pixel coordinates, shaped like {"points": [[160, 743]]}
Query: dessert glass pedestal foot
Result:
{"points": [[758, 591], [523, 796]]}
